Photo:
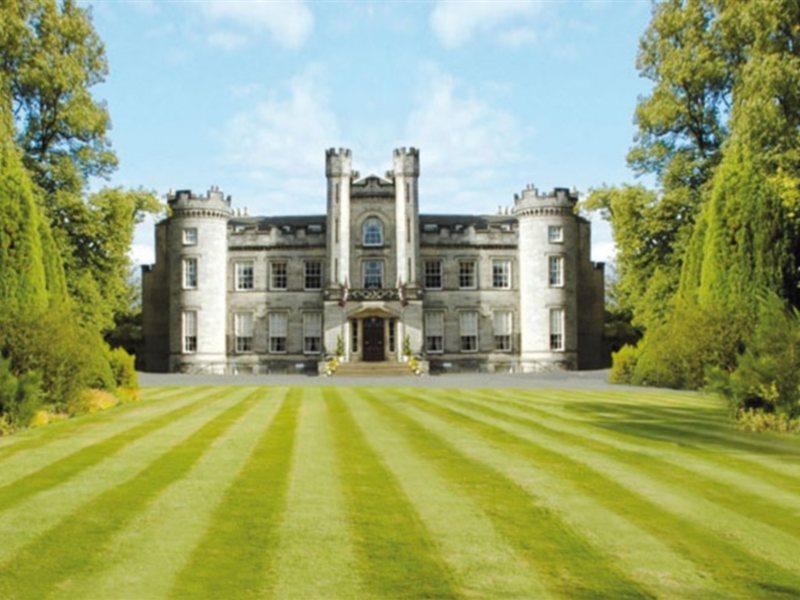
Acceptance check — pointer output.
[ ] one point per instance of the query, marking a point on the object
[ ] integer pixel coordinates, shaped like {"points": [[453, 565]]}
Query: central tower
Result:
{"points": [[339, 172], [406, 178]]}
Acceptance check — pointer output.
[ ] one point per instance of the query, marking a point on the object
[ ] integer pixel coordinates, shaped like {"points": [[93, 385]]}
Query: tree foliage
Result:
{"points": [[720, 134], [51, 59]]}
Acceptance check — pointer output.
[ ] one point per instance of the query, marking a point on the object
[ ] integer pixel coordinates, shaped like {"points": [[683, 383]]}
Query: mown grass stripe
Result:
{"points": [[315, 553], [59, 471], [36, 438], [603, 418], [77, 544], [484, 564], [144, 558], [237, 552], [566, 563], [395, 553], [732, 568], [734, 499]]}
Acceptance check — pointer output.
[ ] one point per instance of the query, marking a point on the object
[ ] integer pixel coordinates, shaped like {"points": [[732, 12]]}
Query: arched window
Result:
{"points": [[373, 232]]}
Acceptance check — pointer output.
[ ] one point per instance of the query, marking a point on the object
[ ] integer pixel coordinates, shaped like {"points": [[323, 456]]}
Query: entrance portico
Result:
{"points": [[373, 330]]}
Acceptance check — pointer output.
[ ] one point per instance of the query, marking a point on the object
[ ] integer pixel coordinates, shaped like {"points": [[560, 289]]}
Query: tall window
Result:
{"points": [[190, 331], [354, 335], [501, 273], [190, 236], [243, 331], [467, 278], [392, 336], [373, 274], [556, 329], [433, 274], [244, 275], [555, 234], [502, 330], [277, 332], [434, 332], [373, 232], [313, 275], [556, 270], [468, 325], [277, 276], [189, 273], [312, 333]]}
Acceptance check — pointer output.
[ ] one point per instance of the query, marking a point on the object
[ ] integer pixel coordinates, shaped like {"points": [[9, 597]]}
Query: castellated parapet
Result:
{"points": [[338, 162], [406, 162]]}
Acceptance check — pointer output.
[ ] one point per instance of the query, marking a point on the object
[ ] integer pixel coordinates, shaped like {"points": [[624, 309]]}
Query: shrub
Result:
{"points": [[91, 401], [125, 395], [45, 417], [20, 396], [123, 366], [767, 374], [6, 428], [623, 364], [69, 357], [680, 353], [755, 420]]}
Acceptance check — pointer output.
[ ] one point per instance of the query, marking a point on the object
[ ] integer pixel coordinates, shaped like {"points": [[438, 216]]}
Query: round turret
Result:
{"points": [[548, 249], [197, 238]]}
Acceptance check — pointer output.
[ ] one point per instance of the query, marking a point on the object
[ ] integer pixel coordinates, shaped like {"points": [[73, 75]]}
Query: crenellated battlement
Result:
{"points": [[213, 202], [338, 162], [406, 162], [531, 201]]}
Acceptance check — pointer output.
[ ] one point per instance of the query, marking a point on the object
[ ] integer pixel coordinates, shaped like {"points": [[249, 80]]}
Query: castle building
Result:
{"points": [[373, 280]]}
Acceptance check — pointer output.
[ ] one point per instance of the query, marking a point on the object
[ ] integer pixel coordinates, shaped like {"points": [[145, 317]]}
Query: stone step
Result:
{"points": [[373, 369]]}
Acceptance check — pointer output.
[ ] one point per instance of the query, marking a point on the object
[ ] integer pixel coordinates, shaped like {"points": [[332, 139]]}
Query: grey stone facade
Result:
{"points": [[372, 279]]}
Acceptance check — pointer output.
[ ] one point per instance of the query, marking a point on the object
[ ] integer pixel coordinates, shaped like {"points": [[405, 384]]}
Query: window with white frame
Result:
{"points": [[243, 275], [468, 327], [556, 270], [501, 274], [555, 234], [313, 275], [190, 331], [278, 278], [372, 232], [467, 275], [312, 333], [189, 273], [190, 236], [278, 325], [433, 274], [434, 332], [243, 331], [556, 329], [503, 326], [373, 274]]}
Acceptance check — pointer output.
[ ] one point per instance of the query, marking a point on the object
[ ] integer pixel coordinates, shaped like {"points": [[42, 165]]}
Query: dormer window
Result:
{"points": [[373, 232]]}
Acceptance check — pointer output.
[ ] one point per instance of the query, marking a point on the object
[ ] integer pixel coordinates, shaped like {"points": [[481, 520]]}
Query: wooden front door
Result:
{"points": [[372, 337]]}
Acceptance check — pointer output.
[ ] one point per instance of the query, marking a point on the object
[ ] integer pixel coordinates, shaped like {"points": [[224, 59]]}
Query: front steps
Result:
{"points": [[371, 369]]}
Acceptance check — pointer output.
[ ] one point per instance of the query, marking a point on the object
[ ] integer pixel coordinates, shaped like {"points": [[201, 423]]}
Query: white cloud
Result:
{"points": [[288, 24], [468, 145], [279, 141], [227, 40], [142, 254], [455, 23]]}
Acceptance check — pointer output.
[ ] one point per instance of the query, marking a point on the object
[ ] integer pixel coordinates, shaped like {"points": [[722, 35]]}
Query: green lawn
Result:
{"points": [[315, 492]]}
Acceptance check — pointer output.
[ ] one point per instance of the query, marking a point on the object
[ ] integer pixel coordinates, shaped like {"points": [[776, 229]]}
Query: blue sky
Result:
{"points": [[247, 96]]}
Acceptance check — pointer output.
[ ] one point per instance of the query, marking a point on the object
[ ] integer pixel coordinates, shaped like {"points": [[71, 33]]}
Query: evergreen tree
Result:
{"points": [[22, 272]]}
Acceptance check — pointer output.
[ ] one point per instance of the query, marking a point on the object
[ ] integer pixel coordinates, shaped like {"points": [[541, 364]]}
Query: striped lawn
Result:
{"points": [[324, 492]]}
